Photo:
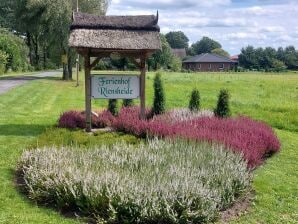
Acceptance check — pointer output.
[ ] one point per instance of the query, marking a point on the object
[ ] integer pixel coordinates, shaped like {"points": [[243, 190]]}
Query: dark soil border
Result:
{"points": [[240, 207]]}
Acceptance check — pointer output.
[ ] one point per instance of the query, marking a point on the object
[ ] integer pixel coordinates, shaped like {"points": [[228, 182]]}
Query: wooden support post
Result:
{"points": [[143, 86], [88, 92], [78, 68]]}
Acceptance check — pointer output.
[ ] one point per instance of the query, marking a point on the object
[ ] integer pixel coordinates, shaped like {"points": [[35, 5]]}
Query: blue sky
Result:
{"points": [[234, 23]]}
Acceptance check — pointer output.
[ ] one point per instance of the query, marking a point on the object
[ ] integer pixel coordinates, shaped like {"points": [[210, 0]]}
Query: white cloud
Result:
{"points": [[257, 11], [245, 35], [163, 4], [234, 25]]}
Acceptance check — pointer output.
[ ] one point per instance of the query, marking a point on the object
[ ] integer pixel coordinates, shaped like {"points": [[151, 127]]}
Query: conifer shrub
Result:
{"points": [[194, 102], [223, 108], [159, 97], [127, 103], [112, 106]]}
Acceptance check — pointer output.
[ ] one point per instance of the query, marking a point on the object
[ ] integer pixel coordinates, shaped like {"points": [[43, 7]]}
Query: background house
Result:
{"points": [[235, 58], [208, 63], [179, 52]]}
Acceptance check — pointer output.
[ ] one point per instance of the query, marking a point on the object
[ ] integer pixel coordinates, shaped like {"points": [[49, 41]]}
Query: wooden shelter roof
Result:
{"points": [[126, 33]]}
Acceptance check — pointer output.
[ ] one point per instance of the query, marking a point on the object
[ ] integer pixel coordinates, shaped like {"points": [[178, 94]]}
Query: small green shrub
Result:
{"points": [[3, 61], [194, 102], [159, 97], [160, 182], [15, 49], [222, 108], [175, 64], [127, 103], [112, 106]]}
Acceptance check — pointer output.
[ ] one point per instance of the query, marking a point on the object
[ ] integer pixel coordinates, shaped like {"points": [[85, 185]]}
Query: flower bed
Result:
{"points": [[254, 139], [160, 182]]}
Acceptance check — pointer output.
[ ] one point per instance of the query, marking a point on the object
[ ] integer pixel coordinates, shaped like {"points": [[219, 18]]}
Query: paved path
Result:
{"points": [[7, 83]]}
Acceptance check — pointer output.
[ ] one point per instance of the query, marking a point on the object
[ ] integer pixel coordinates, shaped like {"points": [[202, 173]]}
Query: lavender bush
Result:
{"points": [[160, 182]]}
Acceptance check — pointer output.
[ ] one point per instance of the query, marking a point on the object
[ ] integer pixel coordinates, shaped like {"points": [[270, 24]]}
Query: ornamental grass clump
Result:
{"points": [[158, 182]]}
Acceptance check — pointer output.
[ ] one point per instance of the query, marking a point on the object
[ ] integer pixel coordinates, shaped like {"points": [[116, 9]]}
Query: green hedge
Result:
{"points": [[16, 51]]}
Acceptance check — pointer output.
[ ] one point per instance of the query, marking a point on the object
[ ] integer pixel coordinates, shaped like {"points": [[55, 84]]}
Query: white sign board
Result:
{"points": [[115, 86]]}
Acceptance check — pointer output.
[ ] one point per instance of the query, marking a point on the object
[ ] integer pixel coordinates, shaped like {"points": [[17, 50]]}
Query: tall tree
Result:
{"points": [[46, 25], [163, 57], [205, 45], [280, 54], [6, 13], [291, 57], [221, 52], [177, 39], [248, 58], [268, 57]]}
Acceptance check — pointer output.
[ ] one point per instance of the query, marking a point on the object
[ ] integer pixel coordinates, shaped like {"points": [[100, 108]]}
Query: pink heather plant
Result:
{"points": [[72, 119], [253, 139], [77, 119], [104, 119]]}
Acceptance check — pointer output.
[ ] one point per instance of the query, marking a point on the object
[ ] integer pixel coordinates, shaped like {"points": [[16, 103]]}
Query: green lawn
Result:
{"points": [[29, 109]]}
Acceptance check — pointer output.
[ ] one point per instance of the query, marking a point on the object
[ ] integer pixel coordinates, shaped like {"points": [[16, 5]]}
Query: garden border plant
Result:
{"points": [[254, 139], [165, 181]]}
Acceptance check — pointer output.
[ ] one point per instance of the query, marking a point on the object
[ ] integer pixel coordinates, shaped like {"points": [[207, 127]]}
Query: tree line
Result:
{"points": [[269, 59], [44, 27]]}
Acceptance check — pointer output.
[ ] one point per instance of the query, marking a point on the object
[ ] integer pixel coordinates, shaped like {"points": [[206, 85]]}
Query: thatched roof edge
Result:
{"points": [[134, 23], [114, 39]]}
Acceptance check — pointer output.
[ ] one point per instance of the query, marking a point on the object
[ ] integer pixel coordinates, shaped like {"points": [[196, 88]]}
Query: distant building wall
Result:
{"points": [[208, 66], [180, 53]]}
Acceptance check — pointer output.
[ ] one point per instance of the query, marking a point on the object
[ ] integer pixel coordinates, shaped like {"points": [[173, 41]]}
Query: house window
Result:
{"points": [[222, 66], [209, 66], [199, 66]]}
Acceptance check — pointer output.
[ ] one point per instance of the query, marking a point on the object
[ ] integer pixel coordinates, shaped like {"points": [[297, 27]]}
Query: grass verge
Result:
{"points": [[29, 110]]}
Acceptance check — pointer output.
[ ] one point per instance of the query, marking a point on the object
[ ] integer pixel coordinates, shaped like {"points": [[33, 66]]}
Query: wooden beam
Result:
{"points": [[95, 52], [88, 92], [143, 86]]}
